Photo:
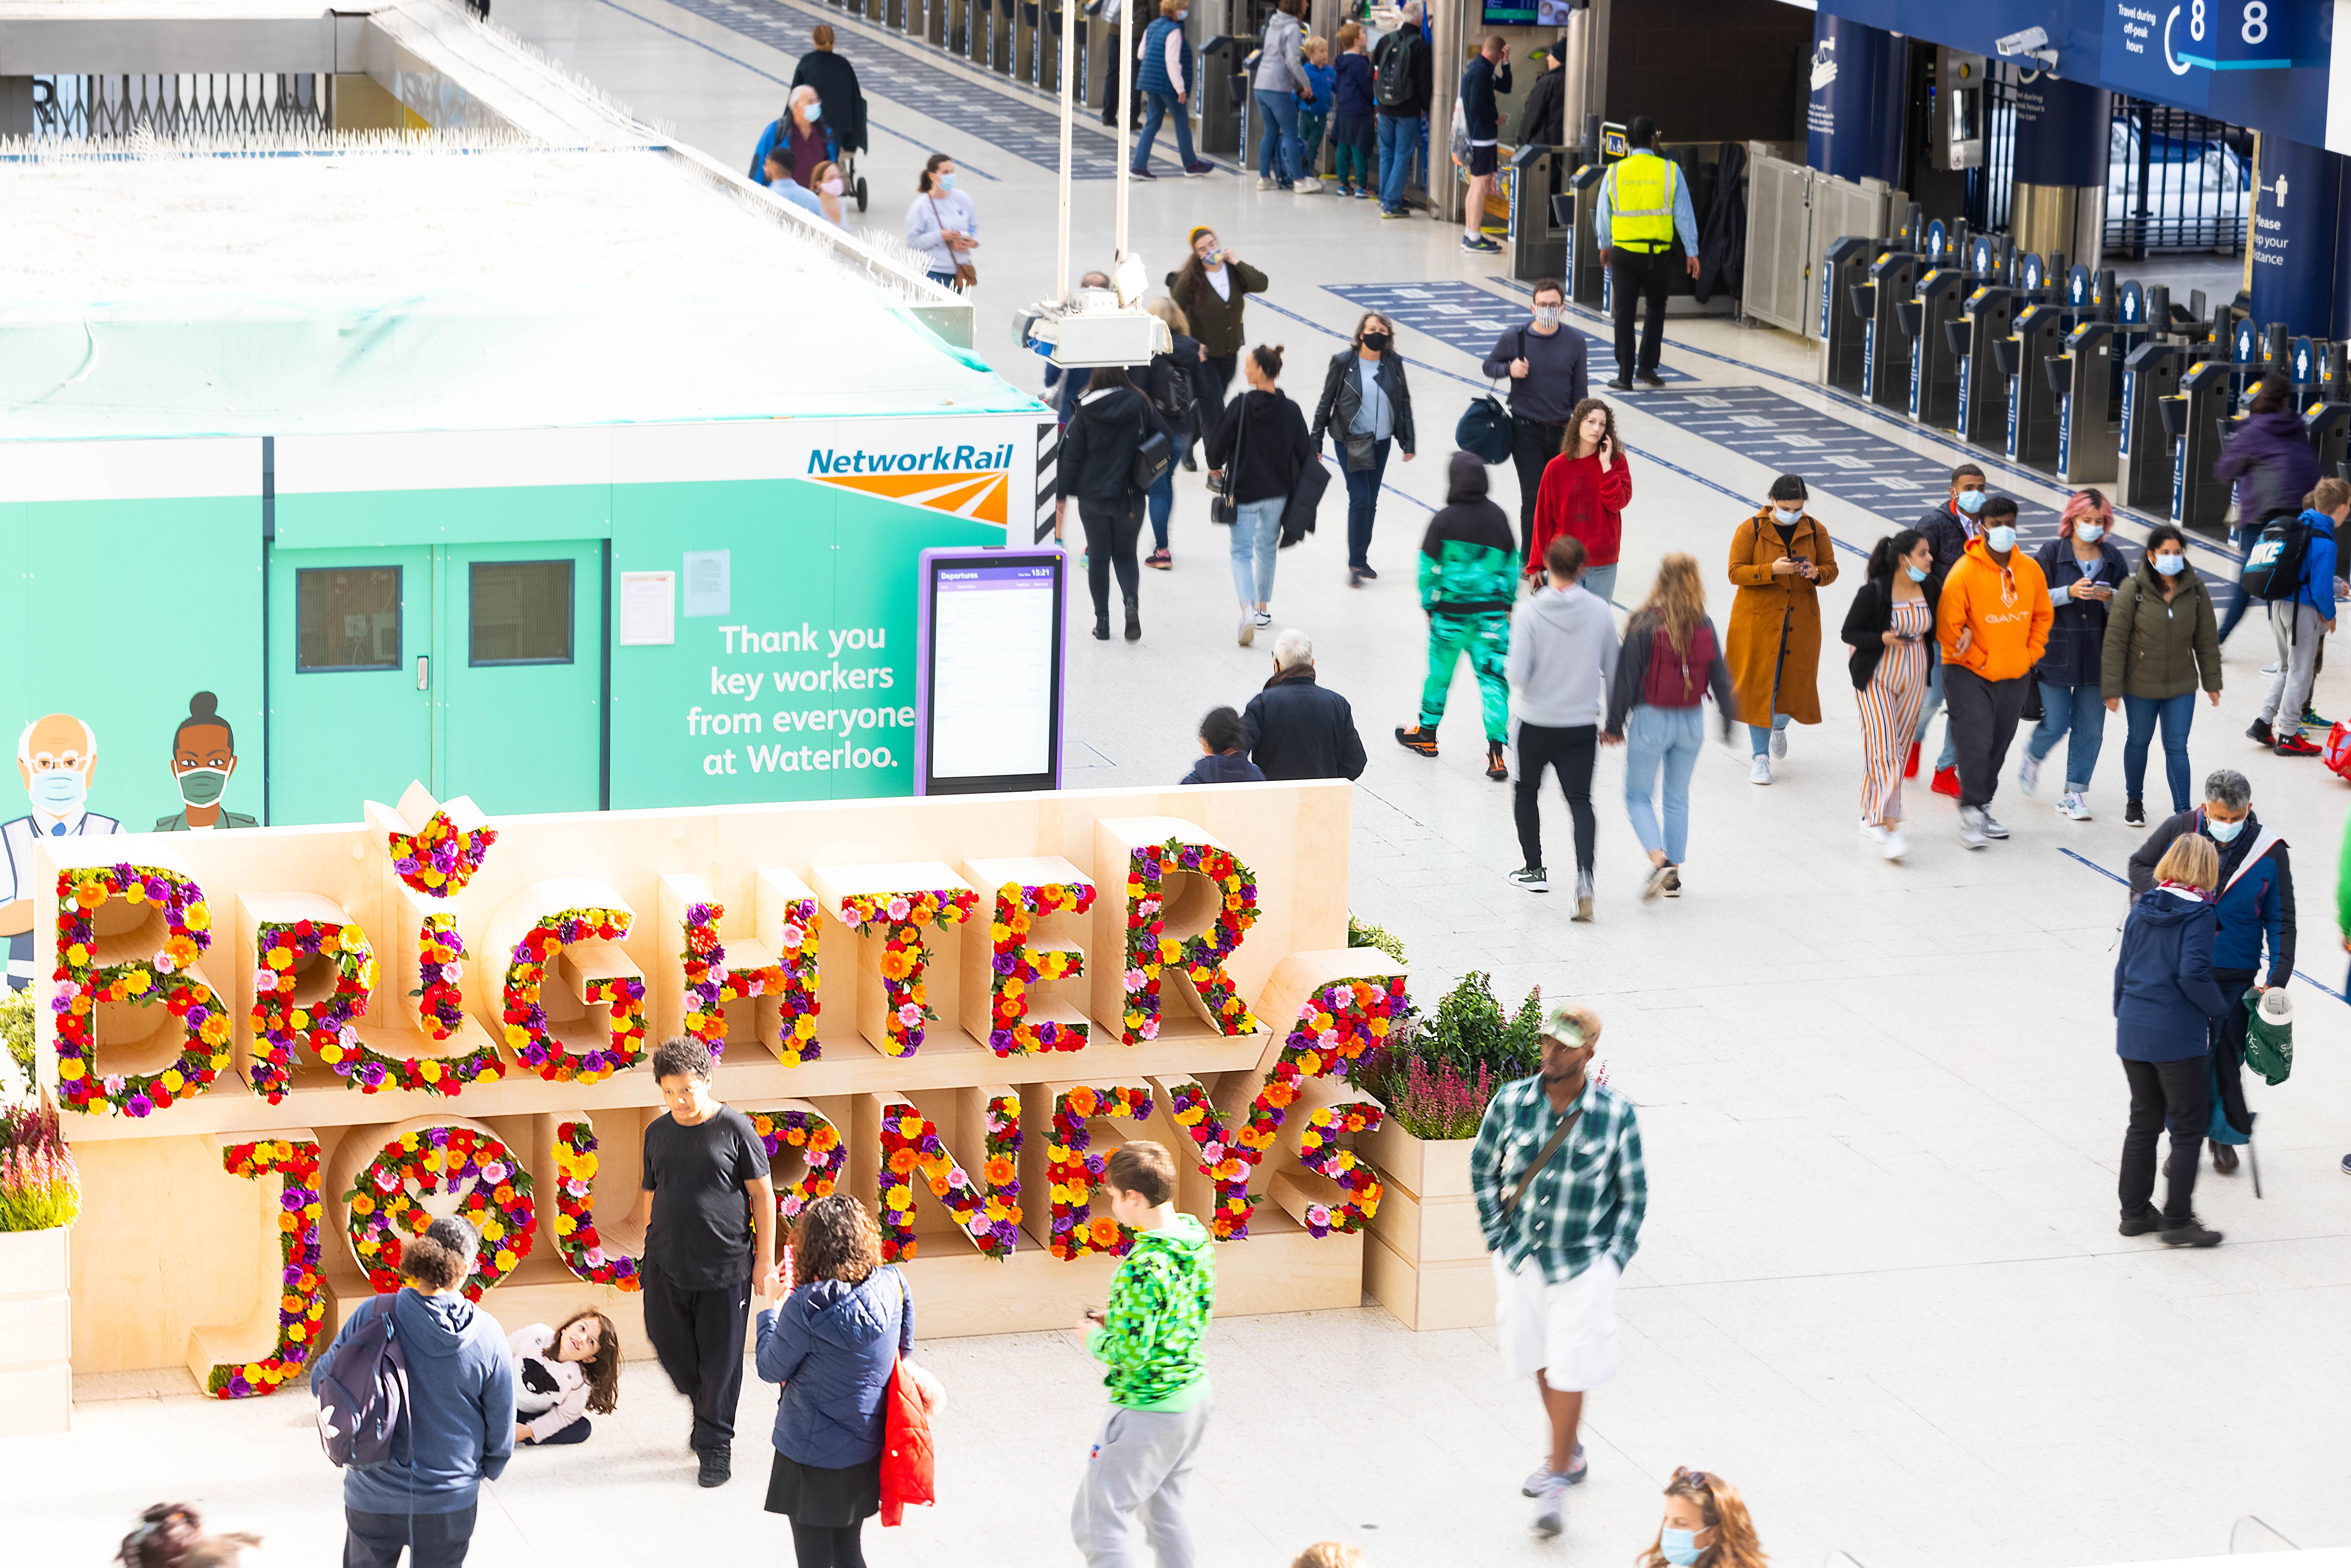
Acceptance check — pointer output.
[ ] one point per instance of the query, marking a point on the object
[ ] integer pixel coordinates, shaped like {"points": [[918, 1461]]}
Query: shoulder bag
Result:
{"points": [[1485, 425], [1542, 1157], [967, 274], [1222, 507]]}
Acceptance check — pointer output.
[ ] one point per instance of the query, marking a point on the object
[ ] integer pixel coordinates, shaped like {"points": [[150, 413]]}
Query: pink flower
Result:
{"points": [[790, 1204], [593, 1257], [850, 916], [264, 979], [979, 1224], [794, 934], [1150, 1030], [910, 1015], [494, 1172], [955, 1177], [1316, 1214], [1135, 980], [897, 909]]}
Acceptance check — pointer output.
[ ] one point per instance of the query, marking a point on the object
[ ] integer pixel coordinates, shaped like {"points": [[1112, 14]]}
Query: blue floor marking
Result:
{"points": [[871, 124], [1991, 462], [890, 69], [2300, 975], [1468, 318], [1647, 457]]}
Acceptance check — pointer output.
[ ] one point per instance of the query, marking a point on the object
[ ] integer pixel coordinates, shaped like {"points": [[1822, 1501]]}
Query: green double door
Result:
{"points": [[478, 668]]}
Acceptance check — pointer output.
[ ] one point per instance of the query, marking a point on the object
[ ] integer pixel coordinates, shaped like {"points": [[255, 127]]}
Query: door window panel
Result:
{"points": [[347, 617], [520, 613]]}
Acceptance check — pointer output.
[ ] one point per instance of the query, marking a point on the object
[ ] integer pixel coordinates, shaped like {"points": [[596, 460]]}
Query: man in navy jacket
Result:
{"points": [[2256, 908]]}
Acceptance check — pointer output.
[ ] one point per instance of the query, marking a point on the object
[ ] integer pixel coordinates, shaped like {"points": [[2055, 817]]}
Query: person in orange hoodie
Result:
{"points": [[1992, 624]]}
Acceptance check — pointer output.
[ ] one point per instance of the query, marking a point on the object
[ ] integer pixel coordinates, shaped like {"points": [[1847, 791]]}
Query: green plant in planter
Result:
{"points": [[1437, 1077], [17, 1026], [1471, 1029], [40, 1189], [1361, 934]]}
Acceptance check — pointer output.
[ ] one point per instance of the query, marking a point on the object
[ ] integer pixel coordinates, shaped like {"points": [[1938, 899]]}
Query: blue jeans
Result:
{"points": [[1279, 155], [1949, 756], [1670, 737], [1162, 494], [1602, 581], [1363, 497], [1399, 138], [1157, 105], [2175, 714], [2245, 533], [1759, 736], [1256, 536], [2081, 712]]}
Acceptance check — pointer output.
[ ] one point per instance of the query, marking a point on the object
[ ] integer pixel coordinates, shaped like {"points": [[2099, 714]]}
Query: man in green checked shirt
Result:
{"points": [[1560, 1193]]}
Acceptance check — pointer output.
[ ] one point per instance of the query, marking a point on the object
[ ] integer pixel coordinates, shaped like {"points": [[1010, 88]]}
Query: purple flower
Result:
{"points": [[141, 1105], [697, 914], [292, 1199], [297, 1354], [293, 1276], [437, 1136], [1003, 963], [405, 865], [372, 1074], [1190, 857]]}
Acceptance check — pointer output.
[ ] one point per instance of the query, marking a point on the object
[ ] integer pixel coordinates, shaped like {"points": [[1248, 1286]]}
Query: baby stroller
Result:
{"points": [[848, 146]]}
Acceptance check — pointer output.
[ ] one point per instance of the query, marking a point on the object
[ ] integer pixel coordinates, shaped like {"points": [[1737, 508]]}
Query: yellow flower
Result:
{"points": [[429, 1071], [198, 917], [505, 1259]]}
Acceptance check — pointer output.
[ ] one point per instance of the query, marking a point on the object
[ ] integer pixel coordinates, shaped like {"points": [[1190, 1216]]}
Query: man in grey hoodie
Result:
{"points": [[460, 1418], [1563, 657]]}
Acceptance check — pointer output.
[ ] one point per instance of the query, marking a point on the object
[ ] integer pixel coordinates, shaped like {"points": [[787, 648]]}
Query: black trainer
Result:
{"points": [[718, 1467], [2135, 814], [1651, 378], [2148, 1221], [1133, 623], [1532, 878], [2190, 1232], [1622, 383], [2260, 730]]}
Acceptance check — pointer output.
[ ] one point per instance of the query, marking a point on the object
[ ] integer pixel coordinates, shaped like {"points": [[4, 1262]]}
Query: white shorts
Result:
{"points": [[1567, 1332]]}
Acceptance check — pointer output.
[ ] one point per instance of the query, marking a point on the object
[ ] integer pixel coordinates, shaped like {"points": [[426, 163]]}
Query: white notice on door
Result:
{"points": [[706, 573], [648, 607]]}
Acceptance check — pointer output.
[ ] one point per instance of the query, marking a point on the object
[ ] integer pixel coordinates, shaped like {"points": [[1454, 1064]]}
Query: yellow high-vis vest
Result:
{"points": [[1642, 215]]}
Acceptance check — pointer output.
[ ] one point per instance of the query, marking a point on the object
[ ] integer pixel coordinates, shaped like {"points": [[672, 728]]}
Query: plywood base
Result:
{"points": [[36, 1400], [35, 1332], [1435, 1296], [1429, 1230], [1429, 1167]]}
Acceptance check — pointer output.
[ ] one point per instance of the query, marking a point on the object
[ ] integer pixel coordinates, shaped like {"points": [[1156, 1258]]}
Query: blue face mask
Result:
{"points": [[945, 182], [2171, 565], [815, 112], [60, 791], [1679, 1547], [2224, 832], [2000, 539], [1786, 519], [1918, 573], [2089, 533], [1971, 501]]}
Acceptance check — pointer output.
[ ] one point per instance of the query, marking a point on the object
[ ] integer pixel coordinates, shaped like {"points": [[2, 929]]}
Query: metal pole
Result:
{"points": [[1119, 81], [1068, 61]]}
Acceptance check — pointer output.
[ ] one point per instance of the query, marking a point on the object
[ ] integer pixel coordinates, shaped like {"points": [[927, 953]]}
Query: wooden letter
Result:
{"points": [[1001, 976], [894, 907], [1187, 904]]}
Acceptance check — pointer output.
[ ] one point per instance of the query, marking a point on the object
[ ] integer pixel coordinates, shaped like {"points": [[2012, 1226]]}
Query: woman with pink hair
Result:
{"points": [[2083, 568]]}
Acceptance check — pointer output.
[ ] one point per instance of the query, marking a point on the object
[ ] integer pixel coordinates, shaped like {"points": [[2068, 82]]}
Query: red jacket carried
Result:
{"points": [[1585, 501], [915, 1397]]}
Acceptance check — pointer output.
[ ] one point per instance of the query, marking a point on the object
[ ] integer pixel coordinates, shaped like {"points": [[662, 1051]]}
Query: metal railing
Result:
{"points": [[108, 108], [2175, 181]]}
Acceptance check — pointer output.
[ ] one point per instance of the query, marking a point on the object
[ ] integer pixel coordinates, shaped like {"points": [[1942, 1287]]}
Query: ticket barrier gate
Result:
{"points": [[1220, 104], [2198, 418], [1990, 315], [1844, 312], [2151, 380], [1886, 347], [1538, 245], [1576, 209], [2328, 425], [2033, 358], [1934, 358], [2083, 376]]}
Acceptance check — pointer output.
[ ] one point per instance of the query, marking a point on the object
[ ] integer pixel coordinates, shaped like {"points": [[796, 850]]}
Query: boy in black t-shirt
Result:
{"points": [[708, 1206]]}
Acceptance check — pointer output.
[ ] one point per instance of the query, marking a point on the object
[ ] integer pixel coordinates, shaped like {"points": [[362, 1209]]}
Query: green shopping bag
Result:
{"points": [[2268, 1034]]}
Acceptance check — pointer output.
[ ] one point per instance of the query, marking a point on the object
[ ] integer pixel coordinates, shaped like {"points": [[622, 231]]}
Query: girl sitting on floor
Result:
{"points": [[563, 1374]]}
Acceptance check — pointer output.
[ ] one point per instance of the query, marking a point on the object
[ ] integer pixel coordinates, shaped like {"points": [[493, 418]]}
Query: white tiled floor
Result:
{"points": [[1880, 1286]]}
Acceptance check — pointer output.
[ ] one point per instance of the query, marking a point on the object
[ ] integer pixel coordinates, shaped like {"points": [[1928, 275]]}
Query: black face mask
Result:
{"points": [[1377, 342]]}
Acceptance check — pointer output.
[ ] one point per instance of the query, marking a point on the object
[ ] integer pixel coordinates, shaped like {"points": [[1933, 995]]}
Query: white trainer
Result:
{"points": [[1896, 846], [1248, 627], [1759, 770], [1778, 745], [1877, 833], [2028, 772], [2070, 804], [1309, 187], [1972, 832]]}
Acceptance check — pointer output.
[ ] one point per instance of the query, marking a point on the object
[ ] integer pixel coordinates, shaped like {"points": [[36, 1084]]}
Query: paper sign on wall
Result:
{"points": [[648, 609], [706, 582]]}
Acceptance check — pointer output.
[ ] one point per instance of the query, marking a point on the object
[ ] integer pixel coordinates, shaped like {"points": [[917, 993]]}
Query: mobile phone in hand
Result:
{"points": [[1094, 1314]]}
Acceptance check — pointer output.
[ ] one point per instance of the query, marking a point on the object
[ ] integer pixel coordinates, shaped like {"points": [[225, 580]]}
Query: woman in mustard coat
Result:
{"points": [[1780, 559]]}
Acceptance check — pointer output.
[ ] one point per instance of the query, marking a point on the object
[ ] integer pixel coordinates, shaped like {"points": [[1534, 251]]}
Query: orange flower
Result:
{"points": [[901, 1162], [999, 1170], [1080, 1101], [1104, 1232]]}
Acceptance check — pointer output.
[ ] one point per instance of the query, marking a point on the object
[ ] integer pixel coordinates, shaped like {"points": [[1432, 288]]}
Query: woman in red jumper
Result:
{"points": [[1585, 492]]}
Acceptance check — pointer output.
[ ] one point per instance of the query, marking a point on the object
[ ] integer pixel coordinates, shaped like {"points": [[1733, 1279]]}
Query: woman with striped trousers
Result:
{"points": [[1890, 630]]}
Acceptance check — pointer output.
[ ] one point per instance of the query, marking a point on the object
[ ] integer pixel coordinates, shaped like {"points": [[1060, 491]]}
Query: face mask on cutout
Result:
{"points": [[1548, 314], [2000, 537], [1918, 573], [1679, 1547], [61, 790], [1785, 517], [1377, 342], [202, 786], [2171, 565], [831, 187], [2224, 832], [1971, 501], [2089, 533]]}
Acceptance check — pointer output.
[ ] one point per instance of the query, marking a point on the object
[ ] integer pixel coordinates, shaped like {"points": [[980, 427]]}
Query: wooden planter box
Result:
{"points": [[1425, 1259], [35, 1333]]}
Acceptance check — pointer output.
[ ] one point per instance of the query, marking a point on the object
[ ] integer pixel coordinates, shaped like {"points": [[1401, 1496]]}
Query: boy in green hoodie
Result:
{"points": [[1149, 1336], [1469, 578]]}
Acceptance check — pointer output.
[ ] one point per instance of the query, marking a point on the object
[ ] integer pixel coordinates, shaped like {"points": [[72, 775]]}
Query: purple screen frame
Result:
{"points": [[991, 562]]}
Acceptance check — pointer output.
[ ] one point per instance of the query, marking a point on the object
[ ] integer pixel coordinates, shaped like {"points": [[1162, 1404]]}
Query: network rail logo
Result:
{"points": [[962, 481]]}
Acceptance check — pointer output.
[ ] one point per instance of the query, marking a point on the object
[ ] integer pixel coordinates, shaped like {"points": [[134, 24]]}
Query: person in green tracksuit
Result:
{"points": [[1150, 1337], [1466, 580]]}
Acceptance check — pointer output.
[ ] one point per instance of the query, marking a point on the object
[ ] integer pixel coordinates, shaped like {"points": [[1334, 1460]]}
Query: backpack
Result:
{"points": [[1672, 680], [1484, 429], [1392, 69], [362, 1391], [2272, 569], [1174, 398], [2337, 752]]}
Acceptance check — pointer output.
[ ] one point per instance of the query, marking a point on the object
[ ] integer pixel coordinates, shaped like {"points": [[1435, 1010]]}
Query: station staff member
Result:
{"points": [[55, 756], [1645, 207]]}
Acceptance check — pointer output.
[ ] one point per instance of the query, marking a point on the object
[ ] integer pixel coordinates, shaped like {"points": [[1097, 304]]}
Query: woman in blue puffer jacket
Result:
{"points": [[2165, 1002], [831, 1341]]}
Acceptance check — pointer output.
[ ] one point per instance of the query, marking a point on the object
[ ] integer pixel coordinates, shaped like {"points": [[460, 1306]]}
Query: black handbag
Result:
{"points": [[1485, 425], [1222, 507], [1152, 461]]}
